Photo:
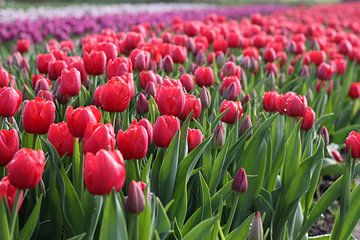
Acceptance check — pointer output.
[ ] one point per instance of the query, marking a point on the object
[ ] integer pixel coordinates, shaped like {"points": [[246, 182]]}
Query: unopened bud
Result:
{"points": [[231, 92], [135, 201], [150, 89], [245, 62], [141, 62], [205, 97], [219, 136], [325, 134], [190, 45], [220, 60], [168, 64], [256, 231], [245, 99], [142, 105], [240, 182], [305, 71], [200, 58], [245, 125], [337, 156]]}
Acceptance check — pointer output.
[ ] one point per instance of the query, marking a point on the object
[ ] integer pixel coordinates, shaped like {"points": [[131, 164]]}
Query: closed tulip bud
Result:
{"points": [[26, 168], [60, 137], [153, 66], [204, 76], [337, 156], [205, 97], [220, 60], [325, 71], [269, 55], [245, 99], [10, 101], [25, 66], [234, 109], [95, 62], [345, 47], [127, 138], [42, 62], [45, 94], [187, 81], [170, 99], [146, 77], [42, 84], [308, 119], [325, 134], [190, 45], [354, 90], [194, 138], [245, 125], [115, 95], [142, 61], [109, 162], [8, 192], [78, 63], [135, 201], [61, 98], [168, 64], [245, 62], [98, 136], [317, 57], [240, 182], [192, 104], [148, 127], [353, 142], [55, 68], [219, 136], [230, 87], [4, 77], [142, 105], [200, 58], [38, 115], [150, 89], [256, 230], [9, 144], [165, 129], [23, 45], [70, 82], [305, 71], [193, 67], [78, 119]]}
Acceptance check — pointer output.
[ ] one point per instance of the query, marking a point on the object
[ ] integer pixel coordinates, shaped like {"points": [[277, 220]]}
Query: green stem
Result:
{"points": [[222, 237], [2, 171], [34, 142], [137, 169], [14, 213], [232, 214], [133, 227]]}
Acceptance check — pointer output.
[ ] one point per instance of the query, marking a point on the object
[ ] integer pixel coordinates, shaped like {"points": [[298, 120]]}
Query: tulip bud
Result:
{"points": [[231, 92], [135, 201], [8, 192], [325, 134], [205, 97], [282, 79], [308, 119], [337, 156], [245, 99], [190, 45], [219, 136], [142, 105], [270, 81], [141, 62], [150, 89], [256, 231], [240, 182], [200, 58], [168, 64], [245, 62], [220, 60], [305, 71], [245, 125]]}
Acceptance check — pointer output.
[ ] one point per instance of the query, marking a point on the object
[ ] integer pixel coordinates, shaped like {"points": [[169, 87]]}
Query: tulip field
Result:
{"points": [[192, 122]]}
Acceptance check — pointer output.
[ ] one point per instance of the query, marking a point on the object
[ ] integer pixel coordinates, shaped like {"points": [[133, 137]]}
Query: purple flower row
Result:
{"points": [[65, 27]]}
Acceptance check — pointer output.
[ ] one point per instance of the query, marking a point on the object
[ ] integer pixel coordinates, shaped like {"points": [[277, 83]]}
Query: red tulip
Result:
{"points": [[78, 63], [148, 127], [133, 142], [308, 119], [204, 76], [194, 138], [9, 144], [142, 61], [317, 57], [269, 55], [353, 142], [179, 54], [95, 62], [354, 91], [320, 84], [60, 137], [270, 100], [187, 81], [165, 129], [192, 104], [10, 100], [55, 68], [146, 77], [135, 201], [340, 65], [38, 115], [45, 94], [26, 168], [240, 182], [118, 67], [115, 95], [168, 64], [292, 104], [109, 49], [70, 82], [325, 71], [98, 136], [8, 191], [337, 156], [220, 45], [230, 87], [345, 47], [4, 77], [23, 45], [104, 171], [170, 99], [43, 60], [80, 118], [96, 97], [234, 109]]}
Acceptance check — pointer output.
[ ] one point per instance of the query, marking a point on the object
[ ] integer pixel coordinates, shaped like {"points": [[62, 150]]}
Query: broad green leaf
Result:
{"points": [[217, 168], [241, 232], [183, 149], [31, 222], [202, 230], [4, 233], [205, 199], [163, 223]]}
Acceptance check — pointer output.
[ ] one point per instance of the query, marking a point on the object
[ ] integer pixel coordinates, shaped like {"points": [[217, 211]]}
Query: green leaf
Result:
{"points": [[92, 213], [163, 223], [78, 237], [205, 199], [201, 230], [183, 150], [113, 225], [241, 232], [217, 168], [31, 222], [4, 233], [168, 170], [320, 237], [77, 168], [147, 220]]}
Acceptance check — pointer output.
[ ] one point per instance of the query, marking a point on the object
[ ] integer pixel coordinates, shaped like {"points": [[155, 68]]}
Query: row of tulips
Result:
{"points": [[196, 130]]}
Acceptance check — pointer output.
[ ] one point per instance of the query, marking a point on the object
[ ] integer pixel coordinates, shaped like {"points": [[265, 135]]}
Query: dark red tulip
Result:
{"points": [[78, 119], [354, 91], [9, 144], [55, 68], [194, 138], [165, 129], [308, 119], [340, 65], [353, 142], [148, 127], [23, 45], [187, 81], [104, 171], [234, 109], [43, 60], [47, 95], [168, 64], [142, 105], [230, 87], [10, 100], [133, 142], [192, 104], [118, 67], [325, 71], [240, 182], [4, 77], [142, 61], [337, 156], [135, 201], [38, 115], [219, 136], [42, 84], [60, 137], [292, 104], [26, 168], [115, 95], [345, 47], [269, 55], [245, 125], [70, 82], [98, 136], [146, 77], [95, 62], [8, 192], [205, 97], [204, 76], [109, 49], [170, 99]]}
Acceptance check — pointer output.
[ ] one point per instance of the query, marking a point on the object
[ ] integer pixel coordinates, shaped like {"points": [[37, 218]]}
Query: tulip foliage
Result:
{"points": [[212, 129]]}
